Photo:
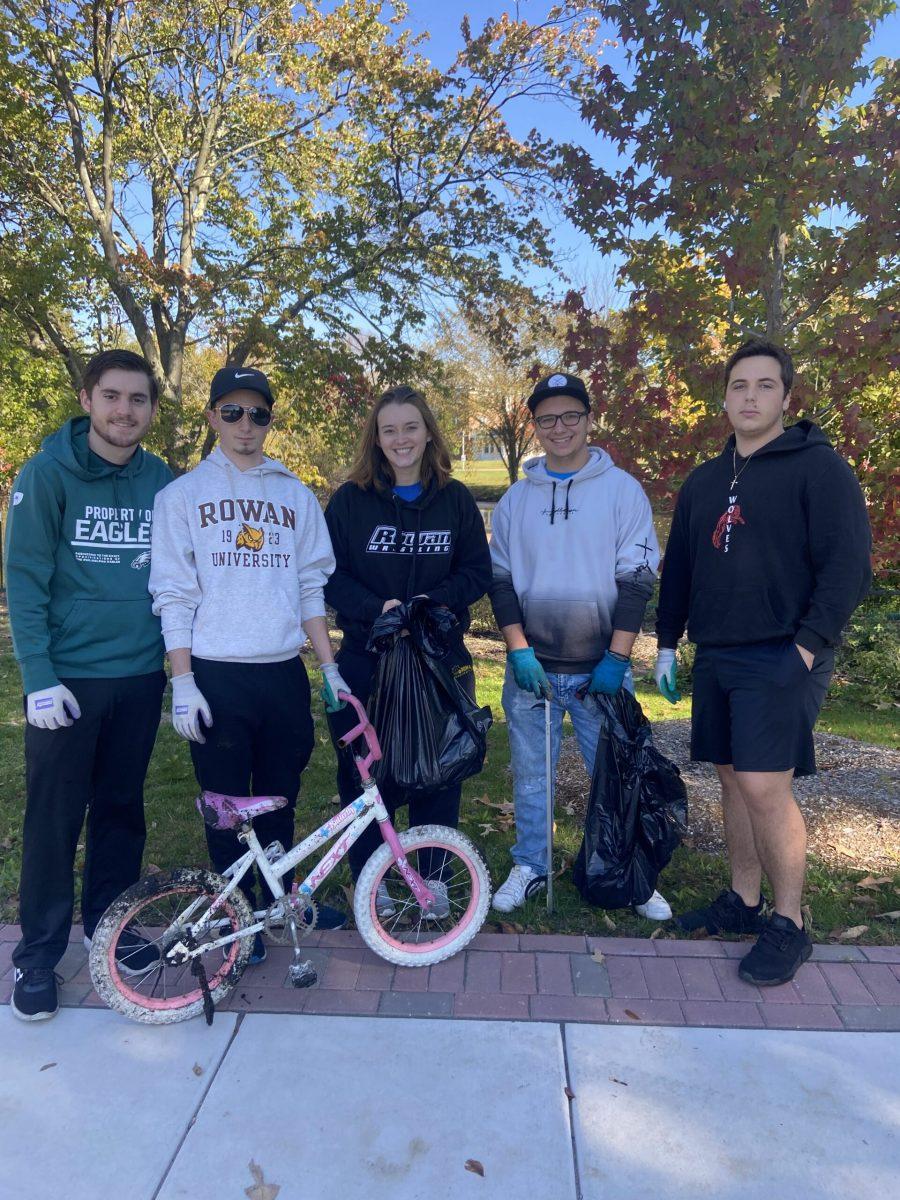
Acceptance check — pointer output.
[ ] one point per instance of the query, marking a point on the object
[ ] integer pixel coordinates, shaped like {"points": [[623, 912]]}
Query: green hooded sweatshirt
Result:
{"points": [[78, 560]]}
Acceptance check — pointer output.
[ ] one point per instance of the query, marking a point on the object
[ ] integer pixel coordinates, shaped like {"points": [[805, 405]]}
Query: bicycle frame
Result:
{"points": [[355, 818]]}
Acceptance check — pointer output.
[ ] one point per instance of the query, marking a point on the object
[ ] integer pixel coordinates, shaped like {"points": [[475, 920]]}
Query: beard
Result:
{"points": [[119, 434]]}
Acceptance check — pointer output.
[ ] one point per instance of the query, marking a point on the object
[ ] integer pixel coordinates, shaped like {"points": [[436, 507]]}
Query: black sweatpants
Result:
{"points": [[440, 807], [260, 741], [97, 765]]}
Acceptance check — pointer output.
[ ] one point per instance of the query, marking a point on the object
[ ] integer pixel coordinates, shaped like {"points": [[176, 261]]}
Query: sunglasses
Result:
{"points": [[232, 413], [570, 419]]}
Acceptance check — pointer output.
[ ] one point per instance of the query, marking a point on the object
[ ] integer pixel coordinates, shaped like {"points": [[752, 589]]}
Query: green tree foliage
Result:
{"points": [[760, 199], [256, 173]]}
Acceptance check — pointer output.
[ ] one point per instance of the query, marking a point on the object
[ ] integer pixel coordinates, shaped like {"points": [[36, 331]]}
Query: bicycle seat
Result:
{"points": [[228, 812]]}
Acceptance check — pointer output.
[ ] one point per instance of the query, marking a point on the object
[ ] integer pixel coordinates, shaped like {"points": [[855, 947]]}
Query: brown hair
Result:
{"points": [[370, 467], [124, 360]]}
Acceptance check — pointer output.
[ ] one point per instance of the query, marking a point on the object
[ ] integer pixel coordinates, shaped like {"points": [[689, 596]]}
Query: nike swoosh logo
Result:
{"points": [[244, 374]]}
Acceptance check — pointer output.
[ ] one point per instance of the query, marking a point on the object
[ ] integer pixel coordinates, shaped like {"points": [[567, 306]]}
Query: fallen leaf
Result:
{"points": [[890, 916], [260, 1190], [633, 1015], [197, 1069], [607, 921], [335, 800], [598, 956], [349, 894], [872, 883], [47, 1066], [509, 927], [657, 932], [855, 931], [152, 869], [612, 1078], [486, 828], [473, 1165], [842, 849], [569, 1093]]}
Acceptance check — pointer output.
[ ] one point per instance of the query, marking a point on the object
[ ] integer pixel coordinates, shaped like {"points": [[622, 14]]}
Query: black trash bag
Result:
{"points": [[432, 732], [637, 810]]}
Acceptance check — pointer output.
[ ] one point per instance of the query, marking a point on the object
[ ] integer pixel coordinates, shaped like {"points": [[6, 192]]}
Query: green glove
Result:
{"points": [[666, 673]]}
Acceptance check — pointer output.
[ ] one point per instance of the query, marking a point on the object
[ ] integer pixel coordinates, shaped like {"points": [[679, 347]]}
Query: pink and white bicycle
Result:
{"points": [[420, 898]]}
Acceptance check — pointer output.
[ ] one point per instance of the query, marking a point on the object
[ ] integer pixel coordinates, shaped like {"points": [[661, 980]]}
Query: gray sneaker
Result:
{"points": [[441, 907]]}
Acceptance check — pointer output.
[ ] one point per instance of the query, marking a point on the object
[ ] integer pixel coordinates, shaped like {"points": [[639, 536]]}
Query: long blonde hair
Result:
{"points": [[370, 467]]}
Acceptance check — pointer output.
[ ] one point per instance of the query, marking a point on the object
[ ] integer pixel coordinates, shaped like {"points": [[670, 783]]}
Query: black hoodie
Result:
{"points": [[784, 552], [389, 548]]}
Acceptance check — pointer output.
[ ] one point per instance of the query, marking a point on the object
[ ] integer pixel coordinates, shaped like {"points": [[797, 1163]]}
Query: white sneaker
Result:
{"points": [[441, 907], [655, 909], [521, 884], [384, 905]]}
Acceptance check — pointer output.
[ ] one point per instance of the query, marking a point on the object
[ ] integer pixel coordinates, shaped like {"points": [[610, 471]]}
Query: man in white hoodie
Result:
{"points": [[240, 556], [575, 556]]}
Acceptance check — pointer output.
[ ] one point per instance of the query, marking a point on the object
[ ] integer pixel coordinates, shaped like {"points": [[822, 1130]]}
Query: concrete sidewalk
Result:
{"points": [[268, 1106]]}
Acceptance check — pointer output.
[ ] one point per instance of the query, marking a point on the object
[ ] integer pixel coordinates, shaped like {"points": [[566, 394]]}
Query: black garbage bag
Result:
{"points": [[432, 733], [637, 810]]}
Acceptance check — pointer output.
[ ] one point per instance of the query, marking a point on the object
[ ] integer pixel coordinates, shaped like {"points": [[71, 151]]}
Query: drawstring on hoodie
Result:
{"points": [[410, 583], [553, 503]]}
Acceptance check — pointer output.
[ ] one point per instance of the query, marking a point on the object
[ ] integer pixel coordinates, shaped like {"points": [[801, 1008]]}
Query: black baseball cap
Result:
{"points": [[232, 379], [559, 384]]}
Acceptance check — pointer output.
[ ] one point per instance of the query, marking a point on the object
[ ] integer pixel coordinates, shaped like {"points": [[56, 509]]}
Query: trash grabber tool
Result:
{"points": [[548, 775]]}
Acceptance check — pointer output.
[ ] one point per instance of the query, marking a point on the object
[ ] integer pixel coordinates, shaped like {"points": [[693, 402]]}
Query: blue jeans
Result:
{"points": [[525, 722]]}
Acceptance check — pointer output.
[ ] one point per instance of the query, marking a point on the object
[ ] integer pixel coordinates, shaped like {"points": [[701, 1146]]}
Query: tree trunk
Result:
{"points": [[775, 305]]}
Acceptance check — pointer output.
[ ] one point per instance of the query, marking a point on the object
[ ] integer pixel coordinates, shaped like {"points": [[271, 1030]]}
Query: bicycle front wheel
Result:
{"points": [[388, 915], [168, 911]]}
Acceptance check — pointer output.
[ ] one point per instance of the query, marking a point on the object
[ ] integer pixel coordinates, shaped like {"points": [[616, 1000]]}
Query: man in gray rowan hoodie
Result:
{"points": [[241, 554], [575, 556]]}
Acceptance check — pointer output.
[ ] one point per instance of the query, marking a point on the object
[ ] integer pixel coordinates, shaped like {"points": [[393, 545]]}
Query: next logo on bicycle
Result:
{"points": [[388, 539]]}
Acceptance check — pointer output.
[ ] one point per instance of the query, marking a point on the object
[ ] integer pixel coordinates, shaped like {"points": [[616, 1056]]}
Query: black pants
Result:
{"points": [[440, 807], [260, 741], [97, 765]]}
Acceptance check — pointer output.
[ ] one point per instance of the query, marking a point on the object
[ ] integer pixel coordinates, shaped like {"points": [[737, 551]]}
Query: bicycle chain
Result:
{"points": [[278, 927]]}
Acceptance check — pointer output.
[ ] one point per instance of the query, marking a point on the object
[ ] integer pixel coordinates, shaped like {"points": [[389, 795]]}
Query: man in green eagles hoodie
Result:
{"points": [[90, 652]]}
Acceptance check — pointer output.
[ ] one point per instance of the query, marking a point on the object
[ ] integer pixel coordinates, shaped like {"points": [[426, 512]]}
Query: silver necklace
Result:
{"points": [[737, 473]]}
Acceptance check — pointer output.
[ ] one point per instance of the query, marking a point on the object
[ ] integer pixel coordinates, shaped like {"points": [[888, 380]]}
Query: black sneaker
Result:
{"points": [[779, 951], [727, 914], [34, 996], [329, 918], [134, 954], [259, 951]]}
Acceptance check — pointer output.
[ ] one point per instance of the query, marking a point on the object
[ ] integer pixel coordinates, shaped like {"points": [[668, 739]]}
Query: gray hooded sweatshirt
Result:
{"points": [[573, 560], [239, 560]]}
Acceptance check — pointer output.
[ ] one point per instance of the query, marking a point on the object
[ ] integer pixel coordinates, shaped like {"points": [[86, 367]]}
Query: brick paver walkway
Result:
{"points": [[552, 977]]}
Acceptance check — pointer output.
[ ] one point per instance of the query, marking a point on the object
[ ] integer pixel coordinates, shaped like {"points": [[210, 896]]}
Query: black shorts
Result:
{"points": [[754, 706]]}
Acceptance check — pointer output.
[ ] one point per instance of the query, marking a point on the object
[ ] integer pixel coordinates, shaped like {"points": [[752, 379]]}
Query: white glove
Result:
{"points": [[333, 684], [53, 708], [188, 706], [666, 675]]}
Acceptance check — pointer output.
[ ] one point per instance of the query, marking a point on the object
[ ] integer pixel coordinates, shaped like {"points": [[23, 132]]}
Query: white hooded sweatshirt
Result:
{"points": [[573, 559], [239, 560]]}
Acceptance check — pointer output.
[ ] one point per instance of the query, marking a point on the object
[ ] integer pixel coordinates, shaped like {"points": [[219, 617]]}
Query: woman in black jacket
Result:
{"points": [[400, 527]]}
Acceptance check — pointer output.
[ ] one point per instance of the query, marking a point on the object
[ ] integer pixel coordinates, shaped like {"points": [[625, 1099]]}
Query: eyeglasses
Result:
{"points": [[232, 413], [570, 419]]}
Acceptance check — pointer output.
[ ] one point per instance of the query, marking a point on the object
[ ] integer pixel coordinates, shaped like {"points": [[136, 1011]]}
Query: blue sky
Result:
{"points": [[440, 19]]}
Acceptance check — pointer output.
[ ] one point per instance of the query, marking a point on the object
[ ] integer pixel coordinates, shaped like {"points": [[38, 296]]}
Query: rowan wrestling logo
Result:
{"points": [[387, 539], [721, 537]]}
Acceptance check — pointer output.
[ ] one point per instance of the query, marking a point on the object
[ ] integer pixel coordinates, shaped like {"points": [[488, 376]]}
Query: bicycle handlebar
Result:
{"points": [[364, 729]]}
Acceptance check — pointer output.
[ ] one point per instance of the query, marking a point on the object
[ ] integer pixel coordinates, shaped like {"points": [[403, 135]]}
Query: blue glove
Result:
{"points": [[666, 674], [608, 675], [529, 674]]}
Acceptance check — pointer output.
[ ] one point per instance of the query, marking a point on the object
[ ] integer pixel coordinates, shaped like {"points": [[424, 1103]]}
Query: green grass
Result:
{"points": [[175, 835], [480, 471]]}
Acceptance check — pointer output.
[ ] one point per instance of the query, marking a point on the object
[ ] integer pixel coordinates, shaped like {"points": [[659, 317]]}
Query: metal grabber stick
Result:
{"points": [[548, 776]]}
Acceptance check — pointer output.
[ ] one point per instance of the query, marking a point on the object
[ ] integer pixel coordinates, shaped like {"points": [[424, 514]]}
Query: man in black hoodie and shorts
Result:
{"points": [[768, 556]]}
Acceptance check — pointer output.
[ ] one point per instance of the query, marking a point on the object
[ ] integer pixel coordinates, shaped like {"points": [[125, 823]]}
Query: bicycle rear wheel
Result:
{"points": [[407, 936], [166, 910]]}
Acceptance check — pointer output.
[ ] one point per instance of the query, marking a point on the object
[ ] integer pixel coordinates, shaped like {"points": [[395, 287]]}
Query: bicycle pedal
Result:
{"points": [[302, 975]]}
